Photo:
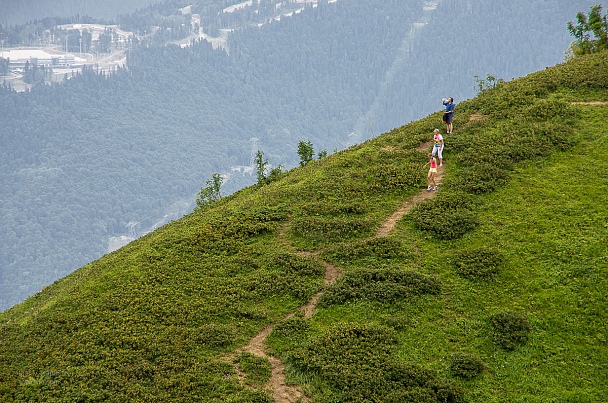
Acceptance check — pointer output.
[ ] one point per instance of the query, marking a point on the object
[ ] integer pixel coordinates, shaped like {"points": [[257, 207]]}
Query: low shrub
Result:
{"points": [[328, 229], [355, 363], [296, 264], [478, 263], [466, 365], [481, 178], [333, 207], [291, 327], [257, 369], [437, 217], [383, 285], [215, 335], [375, 248], [510, 329], [266, 284]]}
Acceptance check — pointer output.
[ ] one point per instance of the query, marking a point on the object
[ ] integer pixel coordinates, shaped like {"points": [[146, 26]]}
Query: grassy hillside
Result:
{"points": [[493, 290]]}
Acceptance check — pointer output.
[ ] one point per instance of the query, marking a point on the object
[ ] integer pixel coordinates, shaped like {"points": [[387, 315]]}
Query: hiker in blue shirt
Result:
{"points": [[449, 114]]}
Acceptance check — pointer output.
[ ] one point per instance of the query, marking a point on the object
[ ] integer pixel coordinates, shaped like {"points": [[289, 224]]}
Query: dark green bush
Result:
{"points": [[478, 263], [437, 217], [295, 264], [510, 329], [481, 178], [215, 335], [291, 327], [375, 248], [397, 322], [355, 363], [383, 285], [322, 229], [264, 284], [334, 207], [257, 369], [466, 365]]}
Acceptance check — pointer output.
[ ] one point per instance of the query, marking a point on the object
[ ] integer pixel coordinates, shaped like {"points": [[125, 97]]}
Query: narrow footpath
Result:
{"points": [[283, 393]]}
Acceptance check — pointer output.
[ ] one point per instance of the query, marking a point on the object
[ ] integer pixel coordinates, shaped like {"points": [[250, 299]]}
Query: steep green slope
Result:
{"points": [[493, 290]]}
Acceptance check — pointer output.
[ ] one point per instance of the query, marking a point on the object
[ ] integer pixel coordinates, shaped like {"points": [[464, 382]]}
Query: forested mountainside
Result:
{"points": [[17, 12], [345, 280], [110, 154]]}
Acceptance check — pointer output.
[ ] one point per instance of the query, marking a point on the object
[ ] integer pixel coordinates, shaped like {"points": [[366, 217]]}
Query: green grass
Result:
{"points": [[524, 191]]}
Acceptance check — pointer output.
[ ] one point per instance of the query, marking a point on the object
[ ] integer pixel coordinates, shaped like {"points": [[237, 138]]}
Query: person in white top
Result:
{"points": [[438, 146]]}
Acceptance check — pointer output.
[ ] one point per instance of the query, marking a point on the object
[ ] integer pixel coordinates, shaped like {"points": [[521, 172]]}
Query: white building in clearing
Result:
{"points": [[19, 57]]}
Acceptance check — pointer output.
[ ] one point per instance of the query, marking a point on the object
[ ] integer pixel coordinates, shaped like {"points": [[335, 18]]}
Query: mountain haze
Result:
{"points": [[490, 289]]}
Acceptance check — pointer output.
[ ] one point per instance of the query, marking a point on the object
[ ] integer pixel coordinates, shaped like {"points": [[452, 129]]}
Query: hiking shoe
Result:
{"points": [[429, 188], [436, 187]]}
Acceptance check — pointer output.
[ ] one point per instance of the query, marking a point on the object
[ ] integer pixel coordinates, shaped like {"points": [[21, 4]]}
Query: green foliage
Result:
{"points": [[257, 369], [386, 286], [371, 249], [295, 326], [305, 151], [261, 169], [510, 329], [354, 363], [331, 229], [488, 83], [466, 366], [444, 218], [478, 263], [210, 193], [292, 263], [261, 165], [590, 32]]}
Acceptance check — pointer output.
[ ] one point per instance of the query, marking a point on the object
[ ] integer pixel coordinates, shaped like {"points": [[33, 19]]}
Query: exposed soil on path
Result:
{"points": [[590, 103], [281, 392]]}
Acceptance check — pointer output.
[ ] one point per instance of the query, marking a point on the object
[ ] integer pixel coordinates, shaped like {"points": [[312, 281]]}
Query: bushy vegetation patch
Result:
{"points": [[466, 366], [296, 325], [275, 284], [355, 363], [386, 177], [331, 229], [257, 369], [510, 329], [291, 263], [386, 286], [484, 177], [445, 218], [333, 206], [383, 248], [478, 263]]}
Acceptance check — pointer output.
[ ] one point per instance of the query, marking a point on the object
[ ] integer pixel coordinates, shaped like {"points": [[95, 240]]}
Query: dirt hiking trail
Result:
{"points": [[281, 392]]}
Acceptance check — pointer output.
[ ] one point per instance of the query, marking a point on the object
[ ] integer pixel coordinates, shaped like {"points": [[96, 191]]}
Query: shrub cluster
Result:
{"points": [[466, 365], [478, 263], [290, 327], [333, 207], [355, 363], [271, 284], [383, 285], [445, 218], [328, 229], [257, 369], [374, 248], [291, 263], [395, 176], [510, 329]]}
